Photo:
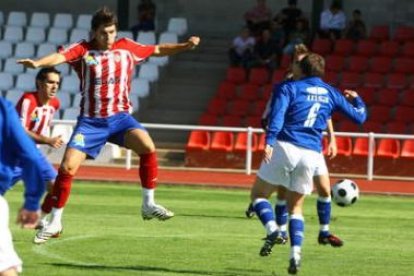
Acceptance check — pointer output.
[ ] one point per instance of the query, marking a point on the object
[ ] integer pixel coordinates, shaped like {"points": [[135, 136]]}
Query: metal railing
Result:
{"points": [[249, 130]]}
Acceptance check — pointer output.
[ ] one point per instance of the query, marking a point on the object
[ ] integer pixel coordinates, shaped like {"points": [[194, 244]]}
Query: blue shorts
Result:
{"points": [[48, 171], [91, 134]]}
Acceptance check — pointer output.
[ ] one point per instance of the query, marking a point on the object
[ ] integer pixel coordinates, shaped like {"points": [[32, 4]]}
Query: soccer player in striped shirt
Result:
{"points": [[105, 66], [36, 110], [17, 147], [299, 112]]}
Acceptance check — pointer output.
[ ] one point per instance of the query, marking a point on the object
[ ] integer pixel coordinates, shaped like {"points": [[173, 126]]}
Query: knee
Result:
{"points": [[68, 169]]}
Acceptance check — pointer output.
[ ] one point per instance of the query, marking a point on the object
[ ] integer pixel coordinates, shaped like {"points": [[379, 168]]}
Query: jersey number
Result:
{"points": [[313, 112]]}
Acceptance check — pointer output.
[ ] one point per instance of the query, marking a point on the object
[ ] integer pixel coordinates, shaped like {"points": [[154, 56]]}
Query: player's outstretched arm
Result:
{"points": [[168, 49], [46, 61]]}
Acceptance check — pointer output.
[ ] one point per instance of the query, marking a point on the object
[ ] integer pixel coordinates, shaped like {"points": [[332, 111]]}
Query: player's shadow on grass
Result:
{"points": [[211, 216], [156, 269]]}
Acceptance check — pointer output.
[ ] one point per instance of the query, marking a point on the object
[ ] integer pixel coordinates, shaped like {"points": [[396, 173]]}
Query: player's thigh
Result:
{"points": [[262, 189], [139, 141], [322, 184], [72, 159], [281, 193], [302, 175]]}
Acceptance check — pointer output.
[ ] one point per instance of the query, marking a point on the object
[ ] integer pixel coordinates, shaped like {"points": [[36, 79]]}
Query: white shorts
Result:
{"points": [[292, 167], [8, 257]]}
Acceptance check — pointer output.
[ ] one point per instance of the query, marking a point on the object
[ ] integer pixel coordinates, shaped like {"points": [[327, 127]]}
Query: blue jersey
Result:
{"points": [[16, 147], [300, 109]]}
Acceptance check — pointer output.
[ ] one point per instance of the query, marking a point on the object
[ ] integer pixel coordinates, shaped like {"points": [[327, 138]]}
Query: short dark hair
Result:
{"points": [[103, 17], [313, 65], [292, 2], [42, 74]]}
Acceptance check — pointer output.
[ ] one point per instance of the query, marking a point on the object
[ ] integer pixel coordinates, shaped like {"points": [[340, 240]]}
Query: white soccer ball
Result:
{"points": [[345, 192]]}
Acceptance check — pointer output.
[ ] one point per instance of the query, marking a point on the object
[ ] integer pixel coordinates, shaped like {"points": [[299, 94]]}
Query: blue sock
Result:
{"points": [[264, 212], [323, 206], [296, 230], [281, 215]]}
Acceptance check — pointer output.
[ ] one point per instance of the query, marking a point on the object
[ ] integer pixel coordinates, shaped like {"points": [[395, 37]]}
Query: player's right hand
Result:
{"points": [[28, 219], [268, 154], [27, 62], [350, 94], [194, 41], [56, 142]]}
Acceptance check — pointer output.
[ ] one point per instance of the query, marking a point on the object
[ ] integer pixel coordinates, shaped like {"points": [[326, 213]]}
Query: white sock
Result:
{"points": [[56, 216], [295, 252], [148, 197], [271, 227]]}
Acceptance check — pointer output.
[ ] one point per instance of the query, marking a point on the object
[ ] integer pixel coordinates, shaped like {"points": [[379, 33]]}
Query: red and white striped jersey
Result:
{"points": [[105, 76], [35, 116]]}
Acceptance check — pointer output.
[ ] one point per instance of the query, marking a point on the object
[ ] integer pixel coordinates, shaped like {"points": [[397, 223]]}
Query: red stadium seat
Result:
{"points": [[396, 128], [408, 49], [366, 48], [368, 94], [379, 33], [380, 65], [350, 80], [236, 75], [322, 46], [285, 61], [407, 98], [357, 64], [374, 80], [231, 121], [389, 49], [208, 120], [222, 141], [238, 107], [373, 126], [198, 140], [331, 78], [361, 147], [404, 34], [344, 47], [226, 90], [241, 142], [344, 145], [397, 81], [389, 148], [408, 149], [379, 113], [217, 106], [404, 65], [404, 114], [278, 76], [253, 121], [259, 76], [387, 97], [348, 126], [257, 108], [267, 91], [262, 142], [249, 92], [334, 63]]}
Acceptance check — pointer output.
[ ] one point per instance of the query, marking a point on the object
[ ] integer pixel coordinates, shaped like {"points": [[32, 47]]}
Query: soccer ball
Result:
{"points": [[345, 192]]}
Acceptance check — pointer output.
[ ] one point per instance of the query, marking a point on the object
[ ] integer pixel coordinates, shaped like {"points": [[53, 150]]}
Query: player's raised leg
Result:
{"points": [[71, 162], [141, 143], [323, 207]]}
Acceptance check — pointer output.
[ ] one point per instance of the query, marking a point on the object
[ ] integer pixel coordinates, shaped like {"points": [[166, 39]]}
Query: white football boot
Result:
{"points": [[155, 211], [47, 232]]}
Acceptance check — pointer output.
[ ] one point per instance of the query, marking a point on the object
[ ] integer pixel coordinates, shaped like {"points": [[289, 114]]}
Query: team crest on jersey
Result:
{"points": [[90, 60], [34, 117], [79, 140]]}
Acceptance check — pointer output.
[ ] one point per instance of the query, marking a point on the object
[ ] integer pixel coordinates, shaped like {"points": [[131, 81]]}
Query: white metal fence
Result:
{"points": [[249, 130]]}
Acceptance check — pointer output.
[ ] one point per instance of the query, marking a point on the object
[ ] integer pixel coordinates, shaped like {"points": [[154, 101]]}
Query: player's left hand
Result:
{"points": [[332, 150], [28, 219], [268, 154], [350, 94], [193, 42]]}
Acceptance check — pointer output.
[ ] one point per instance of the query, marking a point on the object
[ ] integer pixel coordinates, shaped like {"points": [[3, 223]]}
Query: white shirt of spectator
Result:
{"points": [[240, 44]]}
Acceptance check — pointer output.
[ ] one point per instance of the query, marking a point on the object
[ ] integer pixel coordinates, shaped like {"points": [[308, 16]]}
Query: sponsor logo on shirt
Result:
{"points": [[111, 80], [79, 140], [317, 94]]}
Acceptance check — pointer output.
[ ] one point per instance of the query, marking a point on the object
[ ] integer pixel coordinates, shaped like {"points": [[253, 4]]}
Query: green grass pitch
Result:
{"points": [[105, 235]]}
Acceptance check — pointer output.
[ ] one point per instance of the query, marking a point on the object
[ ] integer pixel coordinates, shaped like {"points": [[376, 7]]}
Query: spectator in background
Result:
{"points": [[145, 17], [356, 29], [241, 50], [278, 34], [332, 22], [301, 35], [265, 51], [289, 16], [258, 17]]}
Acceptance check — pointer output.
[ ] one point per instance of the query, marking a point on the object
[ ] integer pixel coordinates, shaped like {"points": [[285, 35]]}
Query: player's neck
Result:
{"points": [[44, 100]]}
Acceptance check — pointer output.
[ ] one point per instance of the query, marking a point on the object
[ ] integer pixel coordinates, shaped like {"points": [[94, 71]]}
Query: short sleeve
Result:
{"points": [[73, 52], [139, 51]]}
